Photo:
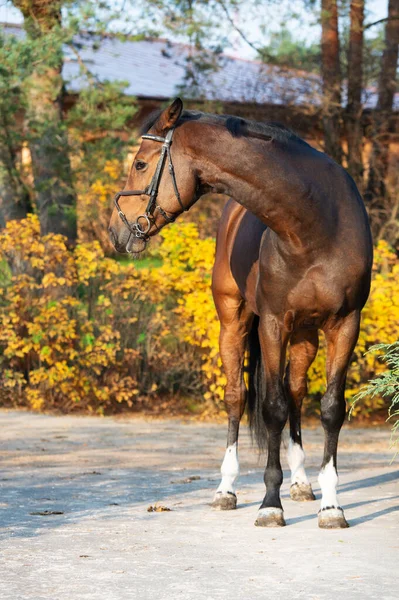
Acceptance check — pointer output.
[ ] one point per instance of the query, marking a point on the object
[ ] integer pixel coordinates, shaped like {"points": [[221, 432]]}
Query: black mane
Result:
{"points": [[237, 126]]}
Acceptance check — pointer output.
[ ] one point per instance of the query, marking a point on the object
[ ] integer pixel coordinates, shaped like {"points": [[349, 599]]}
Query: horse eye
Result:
{"points": [[140, 165]]}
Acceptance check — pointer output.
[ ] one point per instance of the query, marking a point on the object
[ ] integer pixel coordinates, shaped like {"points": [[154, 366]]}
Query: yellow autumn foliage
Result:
{"points": [[93, 206], [80, 330], [84, 331]]}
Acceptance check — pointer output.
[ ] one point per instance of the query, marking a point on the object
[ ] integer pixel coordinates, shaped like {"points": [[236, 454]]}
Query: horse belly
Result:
{"points": [[244, 258]]}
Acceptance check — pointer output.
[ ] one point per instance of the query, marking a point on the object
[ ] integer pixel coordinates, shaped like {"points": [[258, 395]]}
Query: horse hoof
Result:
{"points": [[332, 518], [302, 492], [224, 501], [270, 517]]}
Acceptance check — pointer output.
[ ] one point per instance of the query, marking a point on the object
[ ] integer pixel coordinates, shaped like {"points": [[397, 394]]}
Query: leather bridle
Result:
{"points": [[140, 229]]}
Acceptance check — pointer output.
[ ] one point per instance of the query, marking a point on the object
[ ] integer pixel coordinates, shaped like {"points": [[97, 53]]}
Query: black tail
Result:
{"points": [[256, 387]]}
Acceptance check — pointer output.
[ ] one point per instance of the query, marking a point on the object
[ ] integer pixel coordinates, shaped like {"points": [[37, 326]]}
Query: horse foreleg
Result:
{"points": [[273, 341], [341, 340], [303, 349], [235, 321]]}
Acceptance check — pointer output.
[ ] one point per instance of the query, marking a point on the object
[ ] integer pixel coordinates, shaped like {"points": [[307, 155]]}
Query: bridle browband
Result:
{"points": [[138, 229]]}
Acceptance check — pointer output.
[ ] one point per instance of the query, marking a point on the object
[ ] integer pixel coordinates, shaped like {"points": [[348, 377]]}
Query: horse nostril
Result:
{"points": [[112, 235]]}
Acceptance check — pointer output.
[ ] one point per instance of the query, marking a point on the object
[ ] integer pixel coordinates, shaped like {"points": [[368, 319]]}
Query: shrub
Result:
{"points": [[385, 385], [80, 330], [83, 331]]}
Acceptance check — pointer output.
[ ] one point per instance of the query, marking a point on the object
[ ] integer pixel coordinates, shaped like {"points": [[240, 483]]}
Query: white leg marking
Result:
{"points": [[270, 511], [328, 480], [296, 461], [230, 470]]}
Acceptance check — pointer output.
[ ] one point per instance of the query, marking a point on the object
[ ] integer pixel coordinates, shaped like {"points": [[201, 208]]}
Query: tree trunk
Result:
{"points": [[389, 61], [355, 80], [15, 202], [14, 197], [47, 135], [331, 74], [8, 208], [382, 208]]}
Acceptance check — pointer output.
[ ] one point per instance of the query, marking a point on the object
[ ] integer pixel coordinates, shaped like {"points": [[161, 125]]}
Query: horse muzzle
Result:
{"points": [[135, 245], [127, 242]]}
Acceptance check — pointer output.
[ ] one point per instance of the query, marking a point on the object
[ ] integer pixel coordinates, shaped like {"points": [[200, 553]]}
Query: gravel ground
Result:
{"points": [[74, 523]]}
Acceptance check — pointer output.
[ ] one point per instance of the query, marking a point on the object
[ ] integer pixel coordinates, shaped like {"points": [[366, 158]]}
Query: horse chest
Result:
{"points": [[310, 295], [315, 297]]}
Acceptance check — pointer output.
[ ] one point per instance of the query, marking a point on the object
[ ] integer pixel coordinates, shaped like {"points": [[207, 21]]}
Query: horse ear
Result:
{"points": [[169, 117]]}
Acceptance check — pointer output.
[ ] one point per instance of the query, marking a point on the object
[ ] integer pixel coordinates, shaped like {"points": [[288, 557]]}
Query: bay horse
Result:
{"points": [[294, 256]]}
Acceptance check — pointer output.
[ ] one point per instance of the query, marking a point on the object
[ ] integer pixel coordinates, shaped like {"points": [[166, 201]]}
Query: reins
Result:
{"points": [[139, 229]]}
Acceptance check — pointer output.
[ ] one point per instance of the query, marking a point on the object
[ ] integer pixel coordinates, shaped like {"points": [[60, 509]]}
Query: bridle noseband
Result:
{"points": [[141, 229]]}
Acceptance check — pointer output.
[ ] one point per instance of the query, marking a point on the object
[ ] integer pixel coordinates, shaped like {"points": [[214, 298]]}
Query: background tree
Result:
{"points": [[354, 107], [331, 75], [384, 205], [70, 148], [15, 201], [47, 135], [284, 50]]}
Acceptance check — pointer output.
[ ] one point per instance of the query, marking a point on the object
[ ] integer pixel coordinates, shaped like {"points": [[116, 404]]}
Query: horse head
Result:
{"points": [[160, 186]]}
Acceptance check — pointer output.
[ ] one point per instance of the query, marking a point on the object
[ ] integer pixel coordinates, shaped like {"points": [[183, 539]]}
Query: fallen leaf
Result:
{"points": [[158, 508]]}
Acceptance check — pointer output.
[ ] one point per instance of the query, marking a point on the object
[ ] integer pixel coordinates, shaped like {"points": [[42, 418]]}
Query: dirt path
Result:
{"points": [[102, 474]]}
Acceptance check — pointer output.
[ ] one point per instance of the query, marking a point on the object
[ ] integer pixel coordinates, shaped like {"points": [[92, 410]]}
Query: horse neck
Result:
{"points": [[264, 177]]}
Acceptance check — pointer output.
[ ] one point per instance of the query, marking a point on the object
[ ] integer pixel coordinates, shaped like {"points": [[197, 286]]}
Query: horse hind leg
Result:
{"points": [[341, 340], [302, 352], [235, 320]]}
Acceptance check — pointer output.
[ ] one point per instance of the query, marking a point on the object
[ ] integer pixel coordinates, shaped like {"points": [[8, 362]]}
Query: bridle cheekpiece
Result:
{"points": [[142, 226]]}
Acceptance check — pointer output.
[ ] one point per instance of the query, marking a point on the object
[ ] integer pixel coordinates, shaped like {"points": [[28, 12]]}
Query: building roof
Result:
{"points": [[161, 69]]}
